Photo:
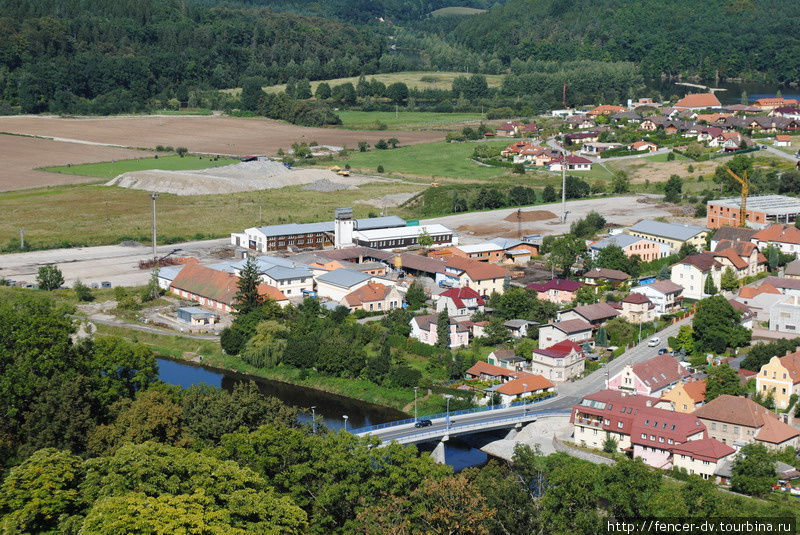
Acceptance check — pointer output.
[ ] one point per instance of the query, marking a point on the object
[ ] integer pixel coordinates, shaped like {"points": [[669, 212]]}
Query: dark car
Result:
{"points": [[423, 423], [662, 351]]}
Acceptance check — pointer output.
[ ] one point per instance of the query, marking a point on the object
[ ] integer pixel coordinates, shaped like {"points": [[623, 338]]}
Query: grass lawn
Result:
{"points": [[597, 171], [413, 79], [456, 10], [168, 163], [663, 157], [102, 215], [441, 159], [404, 120]]}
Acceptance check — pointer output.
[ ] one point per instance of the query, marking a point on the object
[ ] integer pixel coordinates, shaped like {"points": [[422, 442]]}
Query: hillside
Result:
{"points": [[756, 39]]}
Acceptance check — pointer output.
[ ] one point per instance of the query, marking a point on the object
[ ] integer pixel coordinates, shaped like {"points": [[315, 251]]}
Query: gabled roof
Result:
{"points": [[369, 293], [793, 268], [673, 231], [458, 294], [792, 364], [780, 234], [664, 425], [698, 100], [734, 410], [741, 248], [659, 371], [640, 144], [506, 355], [564, 285], [604, 273], [484, 368], [525, 382], [636, 299], [706, 449], [782, 283], [343, 278], [421, 263], [596, 312], [702, 261], [696, 390], [217, 285], [749, 292], [476, 270], [572, 326], [664, 287], [560, 350], [732, 256], [776, 432]]}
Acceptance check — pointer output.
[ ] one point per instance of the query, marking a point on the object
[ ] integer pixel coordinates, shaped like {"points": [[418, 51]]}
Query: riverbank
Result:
{"points": [[209, 354]]}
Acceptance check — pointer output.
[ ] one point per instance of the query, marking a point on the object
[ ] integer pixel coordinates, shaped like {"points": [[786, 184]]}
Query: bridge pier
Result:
{"points": [[513, 432], [438, 453]]}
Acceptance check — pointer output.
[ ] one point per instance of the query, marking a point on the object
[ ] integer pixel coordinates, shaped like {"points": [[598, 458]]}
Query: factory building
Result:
{"points": [[762, 210]]}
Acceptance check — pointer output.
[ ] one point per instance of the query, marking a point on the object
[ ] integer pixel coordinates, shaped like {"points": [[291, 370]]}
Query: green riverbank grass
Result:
{"points": [[168, 163]]}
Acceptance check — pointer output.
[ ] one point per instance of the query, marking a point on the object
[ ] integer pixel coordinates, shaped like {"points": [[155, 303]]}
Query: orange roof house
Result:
{"points": [[770, 103], [216, 289], [373, 293], [525, 383], [698, 101], [607, 109], [686, 397]]}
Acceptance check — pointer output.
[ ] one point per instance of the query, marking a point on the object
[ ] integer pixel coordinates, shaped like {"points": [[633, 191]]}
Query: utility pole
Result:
{"points": [[564, 187], [415, 403], [154, 196]]}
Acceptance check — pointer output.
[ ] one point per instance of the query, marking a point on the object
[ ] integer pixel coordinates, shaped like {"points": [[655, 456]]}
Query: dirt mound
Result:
{"points": [[326, 185], [530, 215], [245, 176]]}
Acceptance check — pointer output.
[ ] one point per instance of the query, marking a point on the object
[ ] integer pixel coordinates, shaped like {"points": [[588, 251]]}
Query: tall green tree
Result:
{"points": [[415, 296], [672, 189], [753, 471], [443, 329], [564, 252], [247, 297], [49, 277], [721, 380], [716, 326], [708, 287], [728, 281]]}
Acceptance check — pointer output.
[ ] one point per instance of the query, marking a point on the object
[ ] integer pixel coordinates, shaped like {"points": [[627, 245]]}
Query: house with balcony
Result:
{"points": [[637, 308], [507, 359], [654, 377], [664, 294], [691, 273], [460, 302], [576, 330], [560, 362], [558, 291]]}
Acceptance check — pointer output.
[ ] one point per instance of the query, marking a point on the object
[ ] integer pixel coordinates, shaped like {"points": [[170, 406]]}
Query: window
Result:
{"points": [[661, 439], [644, 435], [652, 437], [619, 425], [724, 427], [713, 426]]}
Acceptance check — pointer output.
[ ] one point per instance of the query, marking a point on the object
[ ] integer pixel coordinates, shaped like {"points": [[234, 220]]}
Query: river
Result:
{"points": [[732, 93], [329, 408]]}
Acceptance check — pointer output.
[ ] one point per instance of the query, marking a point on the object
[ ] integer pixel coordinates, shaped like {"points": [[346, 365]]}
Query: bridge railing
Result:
{"points": [[396, 423], [420, 436]]}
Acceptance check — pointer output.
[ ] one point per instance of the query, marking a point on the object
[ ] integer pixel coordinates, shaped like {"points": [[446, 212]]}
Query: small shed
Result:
{"points": [[196, 316]]}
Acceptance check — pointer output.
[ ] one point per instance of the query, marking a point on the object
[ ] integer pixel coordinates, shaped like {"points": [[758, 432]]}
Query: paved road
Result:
{"points": [[780, 153], [568, 395]]}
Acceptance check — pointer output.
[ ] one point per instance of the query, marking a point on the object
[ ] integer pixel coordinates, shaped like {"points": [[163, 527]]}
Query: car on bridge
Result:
{"points": [[423, 423]]}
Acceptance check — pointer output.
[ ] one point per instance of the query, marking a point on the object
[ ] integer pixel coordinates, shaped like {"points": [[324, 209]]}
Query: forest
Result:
{"points": [[93, 443], [106, 57]]}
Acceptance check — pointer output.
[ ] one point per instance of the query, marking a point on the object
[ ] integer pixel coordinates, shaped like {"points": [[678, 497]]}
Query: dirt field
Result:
{"points": [[21, 155], [641, 170], [213, 134], [530, 215]]}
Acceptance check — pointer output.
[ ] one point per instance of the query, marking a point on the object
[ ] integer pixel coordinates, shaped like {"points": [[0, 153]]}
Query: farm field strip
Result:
{"points": [[115, 168]]}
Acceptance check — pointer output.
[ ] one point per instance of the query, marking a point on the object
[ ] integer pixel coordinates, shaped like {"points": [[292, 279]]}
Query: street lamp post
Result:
{"points": [[313, 420], [345, 421], [154, 196], [415, 403]]}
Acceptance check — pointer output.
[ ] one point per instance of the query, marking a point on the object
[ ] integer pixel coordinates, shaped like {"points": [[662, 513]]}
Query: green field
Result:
{"points": [[185, 111], [436, 160], [415, 79], [663, 158], [456, 11], [167, 163], [101, 215], [404, 120]]}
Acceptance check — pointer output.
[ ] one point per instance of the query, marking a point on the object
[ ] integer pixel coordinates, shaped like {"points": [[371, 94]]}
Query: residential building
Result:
{"points": [[596, 148], [637, 308], [581, 137], [736, 420], [691, 273], [698, 101], [595, 314], [336, 284], [783, 141], [525, 385], [672, 234], [507, 359], [580, 122], [482, 277], [483, 252], [559, 291], [516, 251], [560, 362], [760, 299], [373, 297], [665, 295], [576, 330], [657, 432], [770, 103], [598, 276], [747, 314], [653, 377], [780, 376], [706, 458], [215, 289], [790, 112], [291, 281], [518, 327], [460, 302], [686, 397], [569, 163], [643, 146], [784, 285], [784, 316], [606, 109], [784, 237], [762, 210], [486, 371], [401, 237], [733, 234], [792, 270], [743, 258], [423, 328]]}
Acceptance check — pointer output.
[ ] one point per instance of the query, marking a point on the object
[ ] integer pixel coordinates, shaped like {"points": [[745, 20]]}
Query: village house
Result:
{"points": [[770, 103], [579, 121], [643, 146], [747, 314], [604, 276], [729, 233], [508, 129], [691, 273], [524, 385], [460, 302], [606, 109], [780, 376], [742, 257], [783, 141], [665, 295], [792, 270], [736, 420], [516, 251], [698, 101], [569, 163], [595, 314], [637, 308], [657, 432], [627, 117], [576, 330], [559, 291], [483, 252], [672, 234], [482, 277], [646, 250], [518, 327], [686, 397], [336, 284], [653, 377], [423, 328], [597, 148], [582, 137], [559, 362], [760, 299], [486, 371], [783, 285], [790, 112], [784, 237], [507, 359], [707, 458], [373, 297], [215, 289]]}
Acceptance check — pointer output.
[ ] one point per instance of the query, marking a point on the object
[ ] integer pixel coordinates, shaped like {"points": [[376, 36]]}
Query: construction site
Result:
{"points": [[760, 211]]}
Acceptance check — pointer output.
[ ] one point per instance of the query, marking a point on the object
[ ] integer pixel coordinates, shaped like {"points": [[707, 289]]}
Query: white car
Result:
{"points": [[653, 342]]}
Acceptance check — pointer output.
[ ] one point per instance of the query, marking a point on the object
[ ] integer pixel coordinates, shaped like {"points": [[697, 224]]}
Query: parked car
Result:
{"points": [[423, 423], [654, 341], [105, 284], [662, 351]]}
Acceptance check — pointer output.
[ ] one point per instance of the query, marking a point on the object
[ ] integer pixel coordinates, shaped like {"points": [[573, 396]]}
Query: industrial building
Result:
{"points": [[762, 210], [672, 234], [399, 237]]}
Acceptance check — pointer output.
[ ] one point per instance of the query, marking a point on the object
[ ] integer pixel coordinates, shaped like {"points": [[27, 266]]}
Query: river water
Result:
{"points": [[329, 408]]}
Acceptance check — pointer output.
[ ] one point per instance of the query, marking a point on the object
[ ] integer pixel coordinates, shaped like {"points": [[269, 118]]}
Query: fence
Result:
{"points": [[396, 423]]}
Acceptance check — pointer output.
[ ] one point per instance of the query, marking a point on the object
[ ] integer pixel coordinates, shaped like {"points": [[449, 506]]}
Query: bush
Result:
{"points": [[381, 144], [83, 292], [380, 169]]}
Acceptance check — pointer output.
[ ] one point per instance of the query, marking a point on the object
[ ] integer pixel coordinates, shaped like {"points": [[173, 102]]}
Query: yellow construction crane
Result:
{"points": [[745, 191]]}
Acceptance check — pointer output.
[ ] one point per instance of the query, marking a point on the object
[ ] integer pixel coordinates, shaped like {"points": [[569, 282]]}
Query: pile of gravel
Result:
{"points": [[324, 185]]}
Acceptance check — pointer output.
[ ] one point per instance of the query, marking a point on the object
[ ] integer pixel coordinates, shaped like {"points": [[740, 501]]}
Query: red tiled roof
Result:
{"points": [[563, 285], [525, 382], [659, 371], [219, 286], [742, 248], [783, 138], [698, 100], [706, 449], [606, 109], [731, 255], [560, 350], [663, 425], [371, 292], [476, 271], [748, 292], [702, 261], [639, 144], [605, 273], [696, 390], [792, 364], [614, 407], [779, 233], [484, 368], [776, 432], [734, 410], [636, 299], [457, 294]]}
